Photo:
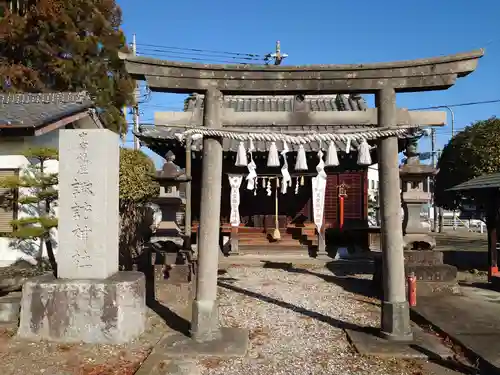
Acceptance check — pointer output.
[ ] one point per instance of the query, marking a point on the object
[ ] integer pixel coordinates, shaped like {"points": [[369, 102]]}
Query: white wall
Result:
{"points": [[11, 156]]}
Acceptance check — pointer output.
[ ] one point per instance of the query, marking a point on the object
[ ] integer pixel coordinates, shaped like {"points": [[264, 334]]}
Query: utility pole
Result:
{"points": [[433, 160], [135, 108], [277, 56], [441, 211], [452, 135]]}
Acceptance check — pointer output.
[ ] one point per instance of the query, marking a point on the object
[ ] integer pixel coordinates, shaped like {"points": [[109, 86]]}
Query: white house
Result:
{"points": [[33, 121], [373, 180]]}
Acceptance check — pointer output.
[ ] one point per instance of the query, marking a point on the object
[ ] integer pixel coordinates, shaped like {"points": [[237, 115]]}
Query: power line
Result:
{"points": [[203, 50], [166, 50], [457, 105], [177, 56]]}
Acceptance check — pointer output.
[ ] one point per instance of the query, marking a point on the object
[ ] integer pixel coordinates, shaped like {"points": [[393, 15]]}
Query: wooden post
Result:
{"points": [[341, 212], [235, 242], [187, 214], [492, 224]]}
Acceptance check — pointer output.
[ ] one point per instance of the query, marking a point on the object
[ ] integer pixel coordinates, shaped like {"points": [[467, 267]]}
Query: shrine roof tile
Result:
{"points": [[284, 103], [279, 103], [32, 110], [487, 181]]}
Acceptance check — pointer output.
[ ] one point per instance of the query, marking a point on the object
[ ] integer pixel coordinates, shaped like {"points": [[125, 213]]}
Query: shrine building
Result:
{"points": [[267, 206]]}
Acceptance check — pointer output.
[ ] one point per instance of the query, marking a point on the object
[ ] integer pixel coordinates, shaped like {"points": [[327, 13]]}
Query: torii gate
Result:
{"points": [[382, 79]]}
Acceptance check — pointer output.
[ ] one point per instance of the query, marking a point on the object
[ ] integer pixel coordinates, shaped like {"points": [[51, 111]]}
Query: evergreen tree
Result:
{"points": [[68, 45], [37, 194], [472, 152], [137, 187]]}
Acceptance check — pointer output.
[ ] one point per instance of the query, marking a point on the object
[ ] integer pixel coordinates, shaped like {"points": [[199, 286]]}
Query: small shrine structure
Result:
{"points": [[386, 124]]}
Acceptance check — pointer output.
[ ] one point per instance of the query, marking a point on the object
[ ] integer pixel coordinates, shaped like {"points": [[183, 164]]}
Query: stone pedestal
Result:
{"points": [[90, 301], [110, 311], [433, 277], [419, 257]]}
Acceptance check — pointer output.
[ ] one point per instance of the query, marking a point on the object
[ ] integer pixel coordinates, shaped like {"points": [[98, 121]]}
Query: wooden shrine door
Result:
{"points": [[355, 204]]}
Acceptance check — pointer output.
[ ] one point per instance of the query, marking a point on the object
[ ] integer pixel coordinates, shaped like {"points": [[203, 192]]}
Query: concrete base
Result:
{"points": [[10, 305], [232, 342], [433, 277], [396, 321], [110, 311], [436, 288], [423, 346], [205, 320]]}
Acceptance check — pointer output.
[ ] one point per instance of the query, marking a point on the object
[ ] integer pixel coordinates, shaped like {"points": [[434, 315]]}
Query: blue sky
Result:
{"points": [[333, 32]]}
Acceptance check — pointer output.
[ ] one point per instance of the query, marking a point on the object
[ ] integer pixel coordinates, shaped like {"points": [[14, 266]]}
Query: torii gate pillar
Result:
{"points": [[205, 318], [395, 323]]}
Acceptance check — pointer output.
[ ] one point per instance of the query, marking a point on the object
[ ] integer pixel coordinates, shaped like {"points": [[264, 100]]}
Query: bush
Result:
{"points": [[137, 187]]}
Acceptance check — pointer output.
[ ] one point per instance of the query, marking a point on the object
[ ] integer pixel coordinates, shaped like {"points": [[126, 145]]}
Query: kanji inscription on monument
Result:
{"points": [[88, 204]]}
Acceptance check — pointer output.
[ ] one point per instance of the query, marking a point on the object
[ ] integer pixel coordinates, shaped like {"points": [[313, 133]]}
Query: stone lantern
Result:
{"points": [[413, 176], [169, 239]]}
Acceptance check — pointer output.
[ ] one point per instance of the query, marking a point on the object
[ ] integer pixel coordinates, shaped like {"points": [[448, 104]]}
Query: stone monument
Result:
{"points": [[89, 301]]}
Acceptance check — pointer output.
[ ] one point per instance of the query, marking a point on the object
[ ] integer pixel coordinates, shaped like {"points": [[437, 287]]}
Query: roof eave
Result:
{"points": [[43, 127]]}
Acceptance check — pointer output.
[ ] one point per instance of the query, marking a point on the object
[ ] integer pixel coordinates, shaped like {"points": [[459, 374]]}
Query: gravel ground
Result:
{"points": [[295, 318], [18, 357], [296, 322]]}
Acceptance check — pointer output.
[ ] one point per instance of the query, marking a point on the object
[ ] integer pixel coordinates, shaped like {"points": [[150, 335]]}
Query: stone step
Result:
{"points": [[423, 257], [246, 249], [437, 272], [266, 241]]}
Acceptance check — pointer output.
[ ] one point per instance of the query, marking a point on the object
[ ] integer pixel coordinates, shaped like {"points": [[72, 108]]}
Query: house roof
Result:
{"points": [[30, 111], [487, 181], [156, 137]]}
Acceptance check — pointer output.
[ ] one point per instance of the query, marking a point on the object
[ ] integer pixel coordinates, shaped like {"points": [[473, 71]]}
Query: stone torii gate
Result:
{"points": [[384, 80]]}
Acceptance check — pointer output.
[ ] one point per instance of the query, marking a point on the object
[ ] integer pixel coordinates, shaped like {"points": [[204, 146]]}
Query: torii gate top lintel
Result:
{"points": [[429, 74]]}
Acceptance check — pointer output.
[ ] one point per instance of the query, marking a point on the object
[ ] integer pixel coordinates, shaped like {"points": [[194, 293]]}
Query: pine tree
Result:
{"points": [[68, 45], [36, 190]]}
